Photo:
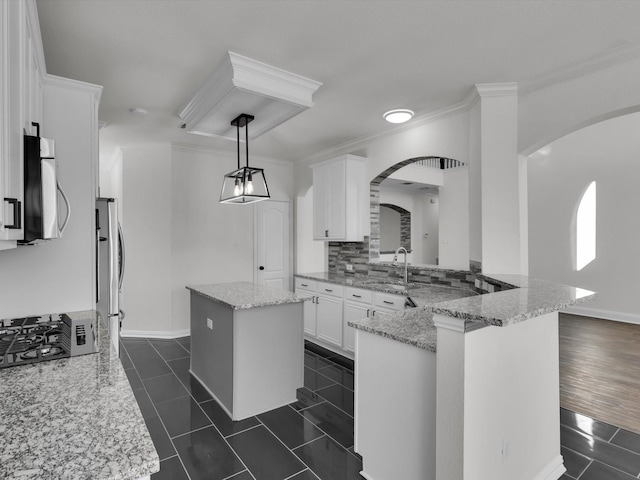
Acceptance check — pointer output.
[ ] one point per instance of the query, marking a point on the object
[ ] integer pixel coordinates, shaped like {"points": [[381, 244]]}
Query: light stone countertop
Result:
{"points": [[73, 418], [531, 299], [243, 295], [415, 327]]}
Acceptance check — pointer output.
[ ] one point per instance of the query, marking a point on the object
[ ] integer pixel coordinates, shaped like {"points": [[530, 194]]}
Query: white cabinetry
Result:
{"points": [[326, 317], [357, 305], [329, 313], [308, 287], [338, 199], [21, 70]]}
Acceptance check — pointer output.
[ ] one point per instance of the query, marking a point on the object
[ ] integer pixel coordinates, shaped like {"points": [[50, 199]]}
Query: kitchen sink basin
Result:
{"points": [[400, 287]]}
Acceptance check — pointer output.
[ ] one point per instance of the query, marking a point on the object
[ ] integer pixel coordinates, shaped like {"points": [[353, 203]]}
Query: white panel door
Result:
{"points": [[272, 244]]}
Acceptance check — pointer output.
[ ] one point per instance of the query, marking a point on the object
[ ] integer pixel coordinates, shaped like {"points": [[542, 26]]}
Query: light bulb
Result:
{"points": [[237, 190], [249, 185]]}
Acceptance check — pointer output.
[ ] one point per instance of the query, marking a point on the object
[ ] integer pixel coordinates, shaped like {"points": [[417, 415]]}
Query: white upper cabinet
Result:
{"points": [[338, 199], [21, 71]]}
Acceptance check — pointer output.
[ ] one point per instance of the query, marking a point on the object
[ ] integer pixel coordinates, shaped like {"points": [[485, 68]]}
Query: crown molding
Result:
{"points": [[55, 81], [618, 55], [496, 89]]}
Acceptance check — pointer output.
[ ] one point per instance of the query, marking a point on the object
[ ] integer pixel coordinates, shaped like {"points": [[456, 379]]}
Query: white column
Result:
{"points": [[495, 201], [497, 400]]}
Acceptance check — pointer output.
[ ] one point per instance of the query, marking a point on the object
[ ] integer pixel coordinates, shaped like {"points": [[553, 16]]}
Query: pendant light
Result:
{"points": [[246, 184]]}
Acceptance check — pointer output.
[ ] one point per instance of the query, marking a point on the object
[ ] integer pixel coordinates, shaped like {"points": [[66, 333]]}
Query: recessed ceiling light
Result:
{"points": [[138, 111], [399, 115]]}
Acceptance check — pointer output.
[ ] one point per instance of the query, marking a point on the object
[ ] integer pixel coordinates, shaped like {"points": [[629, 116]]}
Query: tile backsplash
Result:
{"points": [[356, 254]]}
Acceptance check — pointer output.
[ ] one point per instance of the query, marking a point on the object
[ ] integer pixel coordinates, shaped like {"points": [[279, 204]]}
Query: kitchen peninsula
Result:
{"points": [[247, 345], [480, 390], [73, 418]]}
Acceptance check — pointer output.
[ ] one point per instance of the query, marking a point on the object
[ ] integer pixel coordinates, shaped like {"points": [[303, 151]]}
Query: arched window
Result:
{"points": [[586, 228]]}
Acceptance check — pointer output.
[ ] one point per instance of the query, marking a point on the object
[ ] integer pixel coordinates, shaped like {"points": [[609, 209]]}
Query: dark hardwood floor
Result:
{"points": [[600, 369]]}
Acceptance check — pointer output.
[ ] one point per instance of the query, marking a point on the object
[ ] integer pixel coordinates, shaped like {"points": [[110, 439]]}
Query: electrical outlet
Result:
{"points": [[349, 267], [209, 324]]}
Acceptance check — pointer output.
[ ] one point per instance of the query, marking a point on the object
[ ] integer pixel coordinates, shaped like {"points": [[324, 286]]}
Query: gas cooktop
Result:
{"points": [[31, 339]]}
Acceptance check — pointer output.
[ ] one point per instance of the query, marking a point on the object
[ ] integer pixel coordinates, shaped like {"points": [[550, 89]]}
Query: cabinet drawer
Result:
{"points": [[358, 294], [330, 289], [388, 300], [305, 284]]}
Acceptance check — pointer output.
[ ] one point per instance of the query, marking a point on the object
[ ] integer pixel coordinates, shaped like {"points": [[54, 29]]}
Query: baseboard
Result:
{"points": [[606, 314], [553, 471], [366, 476], [155, 334]]}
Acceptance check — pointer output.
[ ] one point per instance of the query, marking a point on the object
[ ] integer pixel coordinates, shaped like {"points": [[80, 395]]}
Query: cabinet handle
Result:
{"points": [[328, 290], [388, 302], [326, 233], [368, 310], [317, 300], [17, 213], [304, 284], [357, 296]]}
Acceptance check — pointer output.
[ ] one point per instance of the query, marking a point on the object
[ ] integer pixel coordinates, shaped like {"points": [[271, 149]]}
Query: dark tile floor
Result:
{"points": [[311, 439], [594, 450], [308, 440]]}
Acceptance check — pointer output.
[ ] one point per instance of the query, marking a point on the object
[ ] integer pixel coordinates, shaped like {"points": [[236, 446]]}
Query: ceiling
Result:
{"points": [[371, 56]]}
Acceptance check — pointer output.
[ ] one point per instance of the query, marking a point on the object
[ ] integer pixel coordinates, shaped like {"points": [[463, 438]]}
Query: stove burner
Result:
{"points": [[22, 338], [39, 329], [43, 351]]}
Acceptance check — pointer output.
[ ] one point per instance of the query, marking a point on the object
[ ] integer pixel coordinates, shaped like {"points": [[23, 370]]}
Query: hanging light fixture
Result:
{"points": [[246, 184]]}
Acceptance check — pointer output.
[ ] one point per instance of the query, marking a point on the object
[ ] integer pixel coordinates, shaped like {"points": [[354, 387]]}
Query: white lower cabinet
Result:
{"points": [[329, 313], [308, 287], [326, 317], [353, 311]]}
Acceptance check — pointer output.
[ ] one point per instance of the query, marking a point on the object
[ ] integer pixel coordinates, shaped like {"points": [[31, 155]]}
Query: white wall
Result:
{"points": [[178, 233], [445, 135], [607, 153], [422, 213], [58, 276], [453, 246]]}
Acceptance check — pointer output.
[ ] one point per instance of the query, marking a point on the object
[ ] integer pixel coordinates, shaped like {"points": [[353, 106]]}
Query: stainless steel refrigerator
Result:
{"points": [[109, 266]]}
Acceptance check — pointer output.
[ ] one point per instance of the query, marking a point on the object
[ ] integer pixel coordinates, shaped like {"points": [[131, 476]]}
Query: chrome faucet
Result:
{"points": [[395, 261]]}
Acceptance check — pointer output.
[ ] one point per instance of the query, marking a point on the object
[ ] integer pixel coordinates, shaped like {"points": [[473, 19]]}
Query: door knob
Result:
{"points": [[260, 267]]}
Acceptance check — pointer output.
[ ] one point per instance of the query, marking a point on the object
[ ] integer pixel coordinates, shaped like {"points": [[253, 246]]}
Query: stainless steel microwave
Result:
{"points": [[41, 191]]}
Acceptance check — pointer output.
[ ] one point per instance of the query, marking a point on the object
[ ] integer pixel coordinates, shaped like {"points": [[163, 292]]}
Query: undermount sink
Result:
{"points": [[392, 286]]}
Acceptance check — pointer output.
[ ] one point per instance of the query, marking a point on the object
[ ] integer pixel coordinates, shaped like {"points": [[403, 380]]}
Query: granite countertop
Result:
{"points": [[530, 298], [413, 326], [417, 291], [242, 295], [73, 418]]}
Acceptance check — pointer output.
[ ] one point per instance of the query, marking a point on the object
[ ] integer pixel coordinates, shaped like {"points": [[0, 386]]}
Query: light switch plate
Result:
{"points": [[209, 324]]}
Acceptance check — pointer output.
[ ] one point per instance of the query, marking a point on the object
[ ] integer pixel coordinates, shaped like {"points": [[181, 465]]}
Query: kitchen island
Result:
{"points": [[480, 386], [73, 418], [247, 345]]}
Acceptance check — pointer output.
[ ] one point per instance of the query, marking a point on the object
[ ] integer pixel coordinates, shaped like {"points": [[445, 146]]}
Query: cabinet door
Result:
{"points": [[309, 313], [320, 199], [12, 23], [329, 317], [353, 311], [336, 204]]}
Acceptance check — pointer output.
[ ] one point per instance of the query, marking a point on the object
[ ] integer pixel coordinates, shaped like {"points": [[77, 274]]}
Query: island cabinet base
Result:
{"points": [[395, 409], [251, 360]]}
